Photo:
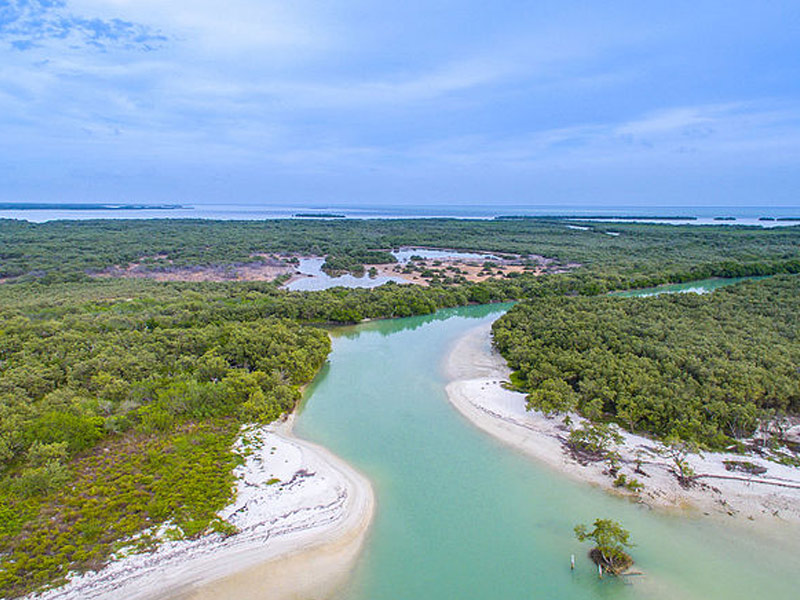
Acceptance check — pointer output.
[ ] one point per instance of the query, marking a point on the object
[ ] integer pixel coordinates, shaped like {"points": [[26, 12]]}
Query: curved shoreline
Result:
{"points": [[313, 519], [476, 372]]}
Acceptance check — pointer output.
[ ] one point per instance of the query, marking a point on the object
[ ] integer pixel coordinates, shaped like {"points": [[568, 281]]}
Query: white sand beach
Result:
{"points": [[477, 372], [302, 515]]}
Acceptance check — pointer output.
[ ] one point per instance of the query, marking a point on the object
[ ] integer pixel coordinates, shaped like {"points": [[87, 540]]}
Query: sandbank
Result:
{"points": [[477, 371]]}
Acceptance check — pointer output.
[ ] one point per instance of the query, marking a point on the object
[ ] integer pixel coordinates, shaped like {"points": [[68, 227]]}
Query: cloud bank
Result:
{"points": [[266, 102]]}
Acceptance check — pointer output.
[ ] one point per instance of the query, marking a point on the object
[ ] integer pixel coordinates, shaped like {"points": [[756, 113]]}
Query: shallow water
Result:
{"points": [[459, 515], [704, 286], [745, 215], [317, 279], [405, 253]]}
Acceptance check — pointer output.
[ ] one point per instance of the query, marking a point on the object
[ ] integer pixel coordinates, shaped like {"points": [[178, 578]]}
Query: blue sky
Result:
{"points": [[421, 102]]}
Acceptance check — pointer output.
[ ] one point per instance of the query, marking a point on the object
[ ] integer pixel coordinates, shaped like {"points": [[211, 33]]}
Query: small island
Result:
{"points": [[79, 206], [611, 541], [597, 218], [319, 216]]}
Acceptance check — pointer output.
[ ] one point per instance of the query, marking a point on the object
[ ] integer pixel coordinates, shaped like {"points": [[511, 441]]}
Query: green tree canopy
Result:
{"points": [[611, 540]]}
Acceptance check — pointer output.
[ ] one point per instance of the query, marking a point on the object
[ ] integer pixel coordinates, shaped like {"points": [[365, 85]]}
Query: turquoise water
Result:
{"points": [[699, 287], [460, 516]]}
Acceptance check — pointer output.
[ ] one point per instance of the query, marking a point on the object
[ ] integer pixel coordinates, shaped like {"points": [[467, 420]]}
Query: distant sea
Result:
{"points": [[700, 215]]}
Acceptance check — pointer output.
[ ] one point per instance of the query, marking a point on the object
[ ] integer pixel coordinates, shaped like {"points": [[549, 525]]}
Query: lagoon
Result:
{"points": [[313, 278]]}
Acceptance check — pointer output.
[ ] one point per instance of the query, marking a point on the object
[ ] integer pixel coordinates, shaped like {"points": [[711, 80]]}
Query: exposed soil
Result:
{"points": [[453, 270], [160, 268]]}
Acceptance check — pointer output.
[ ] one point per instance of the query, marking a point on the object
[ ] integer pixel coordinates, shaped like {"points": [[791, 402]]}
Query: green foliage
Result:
{"points": [[677, 451], [69, 380], [66, 425], [39, 480], [701, 368], [653, 253], [353, 261], [611, 540], [631, 484], [120, 399], [126, 486], [118, 415], [594, 439], [553, 396]]}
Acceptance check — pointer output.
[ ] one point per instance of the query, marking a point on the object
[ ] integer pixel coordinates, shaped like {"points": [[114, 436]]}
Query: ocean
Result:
{"points": [[695, 215]]}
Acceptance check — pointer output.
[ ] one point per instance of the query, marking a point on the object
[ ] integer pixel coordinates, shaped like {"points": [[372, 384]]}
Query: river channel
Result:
{"points": [[461, 516]]}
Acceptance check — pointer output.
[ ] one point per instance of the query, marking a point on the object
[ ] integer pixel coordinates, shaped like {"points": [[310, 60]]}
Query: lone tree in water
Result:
{"points": [[611, 540]]}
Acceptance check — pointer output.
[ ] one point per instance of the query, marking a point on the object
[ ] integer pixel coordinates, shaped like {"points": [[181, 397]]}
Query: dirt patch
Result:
{"points": [[160, 268], [268, 267], [457, 270]]}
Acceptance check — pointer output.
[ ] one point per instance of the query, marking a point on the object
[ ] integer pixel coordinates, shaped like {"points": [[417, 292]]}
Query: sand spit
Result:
{"points": [[476, 372], [302, 515]]}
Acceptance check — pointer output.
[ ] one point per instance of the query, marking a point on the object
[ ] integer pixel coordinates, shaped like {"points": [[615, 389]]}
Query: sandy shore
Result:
{"points": [[476, 372], [299, 510]]}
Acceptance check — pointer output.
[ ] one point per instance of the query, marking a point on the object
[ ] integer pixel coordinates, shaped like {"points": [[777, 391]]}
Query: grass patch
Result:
{"points": [[117, 492]]}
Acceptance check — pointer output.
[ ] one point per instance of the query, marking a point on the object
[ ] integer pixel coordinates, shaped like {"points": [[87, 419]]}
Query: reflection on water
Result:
{"points": [[387, 327], [404, 254], [703, 286], [312, 277]]}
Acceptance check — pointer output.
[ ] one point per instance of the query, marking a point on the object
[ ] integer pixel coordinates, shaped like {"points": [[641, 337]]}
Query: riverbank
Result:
{"points": [[476, 373], [298, 510]]}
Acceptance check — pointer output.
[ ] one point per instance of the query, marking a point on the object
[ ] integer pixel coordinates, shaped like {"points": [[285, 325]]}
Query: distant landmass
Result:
{"points": [[58, 206], [597, 217], [319, 216]]}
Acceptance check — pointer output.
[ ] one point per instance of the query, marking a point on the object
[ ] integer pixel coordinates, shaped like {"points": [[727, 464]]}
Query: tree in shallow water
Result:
{"points": [[611, 540]]}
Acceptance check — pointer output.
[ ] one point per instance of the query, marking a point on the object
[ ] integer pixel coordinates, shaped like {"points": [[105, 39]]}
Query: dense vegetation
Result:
{"points": [[697, 368], [354, 261], [656, 252], [117, 415], [120, 399]]}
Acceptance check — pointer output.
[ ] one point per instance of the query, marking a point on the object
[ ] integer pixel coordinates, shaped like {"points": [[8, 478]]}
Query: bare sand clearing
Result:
{"points": [[470, 270], [298, 536], [477, 371], [267, 269]]}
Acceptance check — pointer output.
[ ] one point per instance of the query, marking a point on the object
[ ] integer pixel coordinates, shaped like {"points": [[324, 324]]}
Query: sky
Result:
{"points": [[260, 102]]}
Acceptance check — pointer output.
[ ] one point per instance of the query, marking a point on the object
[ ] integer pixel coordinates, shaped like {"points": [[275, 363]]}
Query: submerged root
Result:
{"points": [[616, 565]]}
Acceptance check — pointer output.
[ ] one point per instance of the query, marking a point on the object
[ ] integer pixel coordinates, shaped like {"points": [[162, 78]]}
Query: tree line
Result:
{"points": [[70, 250], [701, 368], [119, 415]]}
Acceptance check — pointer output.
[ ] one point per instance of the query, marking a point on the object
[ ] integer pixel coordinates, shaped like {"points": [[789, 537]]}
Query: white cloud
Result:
{"points": [[230, 27], [262, 84], [674, 119], [754, 133]]}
